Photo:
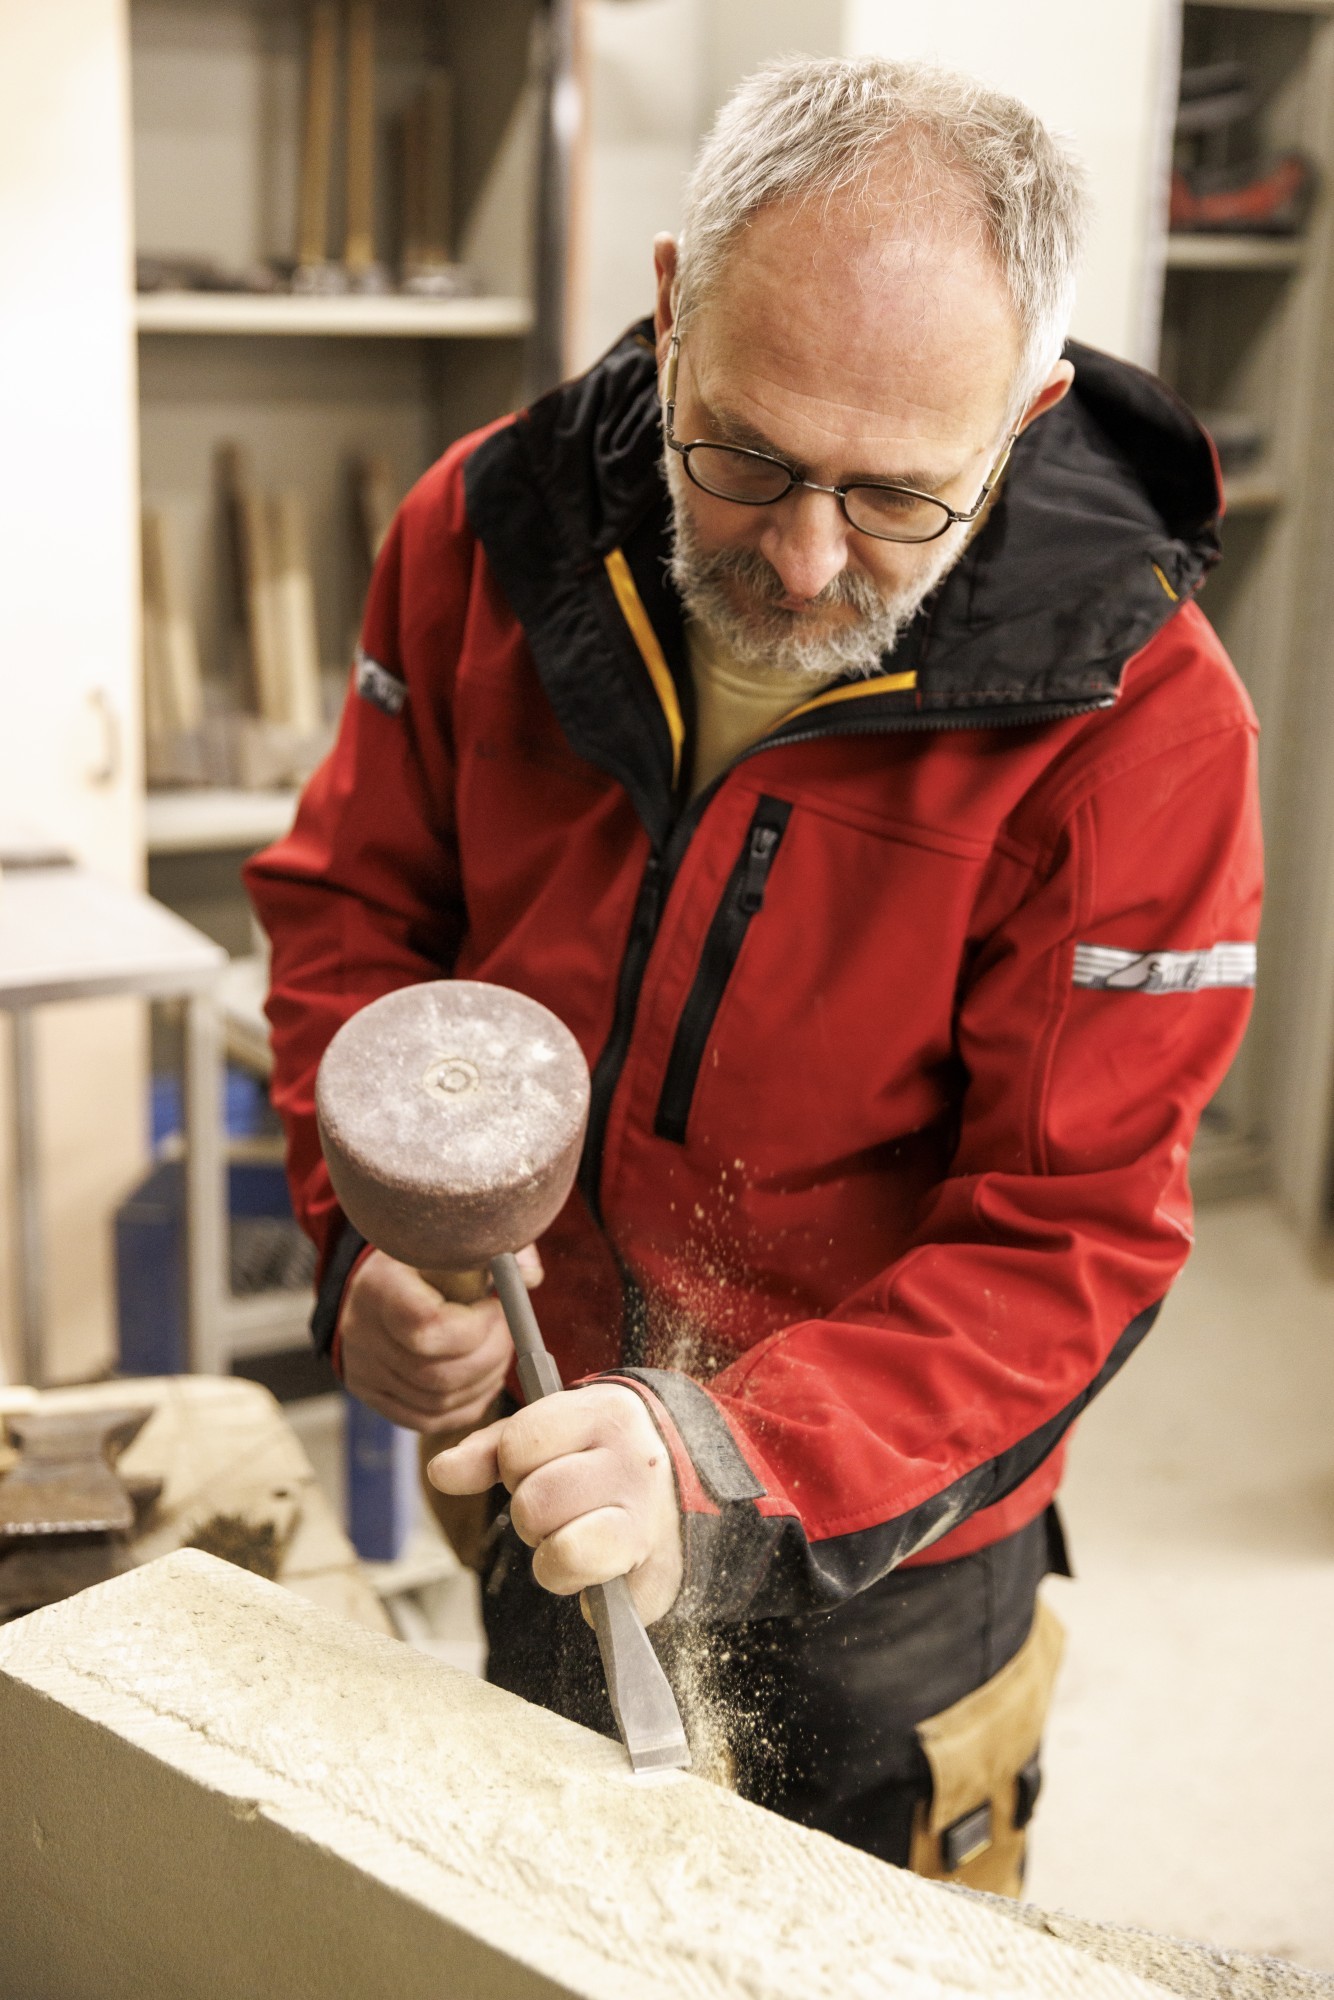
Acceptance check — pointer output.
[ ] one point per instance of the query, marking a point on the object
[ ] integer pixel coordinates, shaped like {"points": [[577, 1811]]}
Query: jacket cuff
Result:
{"points": [[727, 1542], [346, 1254]]}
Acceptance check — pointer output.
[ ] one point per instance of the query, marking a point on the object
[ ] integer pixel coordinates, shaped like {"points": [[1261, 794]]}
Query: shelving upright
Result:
{"points": [[308, 384], [1244, 321]]}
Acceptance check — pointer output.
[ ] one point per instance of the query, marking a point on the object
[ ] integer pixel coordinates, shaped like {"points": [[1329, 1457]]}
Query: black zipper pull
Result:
{"points": [[742, 897], [650, 897], [759, 855]]}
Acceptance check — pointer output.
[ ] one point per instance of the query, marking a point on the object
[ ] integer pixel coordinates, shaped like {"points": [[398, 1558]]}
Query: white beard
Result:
{"points": [[772, 640]]}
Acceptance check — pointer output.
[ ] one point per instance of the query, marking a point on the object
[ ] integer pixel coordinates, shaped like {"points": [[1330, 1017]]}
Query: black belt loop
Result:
{"points": [[1058, 1552]]}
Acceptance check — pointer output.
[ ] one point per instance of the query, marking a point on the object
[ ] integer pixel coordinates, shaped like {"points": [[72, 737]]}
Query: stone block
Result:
{"points": [[214, 1788]]}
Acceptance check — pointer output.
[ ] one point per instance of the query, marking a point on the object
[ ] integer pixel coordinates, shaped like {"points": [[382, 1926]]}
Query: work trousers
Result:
{"points": [[817, 1716]]}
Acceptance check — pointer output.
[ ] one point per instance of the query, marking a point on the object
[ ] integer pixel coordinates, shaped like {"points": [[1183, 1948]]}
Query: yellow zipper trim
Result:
{"points": [[883, 684], [1166, 585], [650, 651], [632, 610]]}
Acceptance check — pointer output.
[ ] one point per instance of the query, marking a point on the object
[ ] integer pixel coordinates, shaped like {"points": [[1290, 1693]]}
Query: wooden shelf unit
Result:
{"points": [[1209, 252], [1251, 493], [1268, 6], [395, 316], [1243, 332], [211, 819], [307, 384]]}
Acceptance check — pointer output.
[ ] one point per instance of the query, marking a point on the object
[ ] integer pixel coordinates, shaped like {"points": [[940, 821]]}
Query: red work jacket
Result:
{"points": [[899, 1032]]}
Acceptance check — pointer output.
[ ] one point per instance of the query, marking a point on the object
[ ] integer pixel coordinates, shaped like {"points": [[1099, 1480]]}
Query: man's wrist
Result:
{"points": [[348, 1252], [716, 1488]]}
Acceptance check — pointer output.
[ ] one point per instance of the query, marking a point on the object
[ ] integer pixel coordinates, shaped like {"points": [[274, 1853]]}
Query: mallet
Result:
{"points": [[452, 1116]]}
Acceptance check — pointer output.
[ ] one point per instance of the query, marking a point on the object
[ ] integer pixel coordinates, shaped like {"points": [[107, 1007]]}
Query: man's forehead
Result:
{"points": [[840, 319], [780, 391]]}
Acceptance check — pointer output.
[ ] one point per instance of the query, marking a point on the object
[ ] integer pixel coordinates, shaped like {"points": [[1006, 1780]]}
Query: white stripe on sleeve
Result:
{"points": [[1105, 967]]}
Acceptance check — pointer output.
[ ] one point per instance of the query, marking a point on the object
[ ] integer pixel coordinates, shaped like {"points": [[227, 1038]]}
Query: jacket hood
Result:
{"points": [[1105, 522]]}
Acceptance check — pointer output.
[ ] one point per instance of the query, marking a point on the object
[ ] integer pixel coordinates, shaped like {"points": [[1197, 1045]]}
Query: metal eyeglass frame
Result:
{"points": [[953, 517]]}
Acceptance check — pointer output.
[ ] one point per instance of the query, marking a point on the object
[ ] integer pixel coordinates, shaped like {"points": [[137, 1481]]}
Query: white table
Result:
{"points": [[67, 935]]}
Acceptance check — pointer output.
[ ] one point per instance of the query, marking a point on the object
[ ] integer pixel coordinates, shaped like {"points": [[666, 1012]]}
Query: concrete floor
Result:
{"points": [[1190, 1755]]}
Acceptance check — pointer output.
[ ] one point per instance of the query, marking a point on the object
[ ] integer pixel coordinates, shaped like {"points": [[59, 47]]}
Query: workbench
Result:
{"points": [[66, 934], [222, 1447]]}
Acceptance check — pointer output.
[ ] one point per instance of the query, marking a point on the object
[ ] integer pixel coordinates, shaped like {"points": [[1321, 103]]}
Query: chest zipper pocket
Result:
{"points": [[742, 900]]}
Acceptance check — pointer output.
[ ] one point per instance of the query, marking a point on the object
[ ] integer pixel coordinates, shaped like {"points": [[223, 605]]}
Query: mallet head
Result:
{"points": [[452, 1117]]}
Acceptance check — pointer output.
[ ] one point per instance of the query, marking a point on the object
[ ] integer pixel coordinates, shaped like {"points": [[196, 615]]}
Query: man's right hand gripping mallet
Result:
{"points": [[452, 1116]]}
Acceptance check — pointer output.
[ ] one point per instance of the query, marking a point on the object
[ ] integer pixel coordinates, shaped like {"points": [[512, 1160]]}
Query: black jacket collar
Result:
{"points": [[1106, 521]]}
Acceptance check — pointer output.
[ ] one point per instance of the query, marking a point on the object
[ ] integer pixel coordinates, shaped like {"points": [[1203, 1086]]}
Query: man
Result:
{"points": [[808, 705]]}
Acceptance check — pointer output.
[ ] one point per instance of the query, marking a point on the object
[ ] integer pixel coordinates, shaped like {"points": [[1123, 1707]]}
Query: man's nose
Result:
{"points": [[805, 538]]}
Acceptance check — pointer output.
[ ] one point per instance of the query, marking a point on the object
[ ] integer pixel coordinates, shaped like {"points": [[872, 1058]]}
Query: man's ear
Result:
{"points": [[1049, 395], [664, 310]]}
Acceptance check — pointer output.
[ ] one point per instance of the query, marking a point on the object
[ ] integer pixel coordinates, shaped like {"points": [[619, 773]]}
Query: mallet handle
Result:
{"points": [[538, 1373]]}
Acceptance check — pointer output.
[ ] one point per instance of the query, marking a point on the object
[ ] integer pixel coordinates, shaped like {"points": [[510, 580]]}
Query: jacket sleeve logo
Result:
{"points": [[378, 686], [1103, 966]]}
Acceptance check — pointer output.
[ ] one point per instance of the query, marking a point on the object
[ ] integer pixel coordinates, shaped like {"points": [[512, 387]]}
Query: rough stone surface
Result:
{"points": [[452, 1116], [212, 1788], [1194, 1971]]}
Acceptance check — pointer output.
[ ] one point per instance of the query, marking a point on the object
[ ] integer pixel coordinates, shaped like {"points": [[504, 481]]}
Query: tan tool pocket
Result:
{"points": [[465, 1517], [983, 1754]]}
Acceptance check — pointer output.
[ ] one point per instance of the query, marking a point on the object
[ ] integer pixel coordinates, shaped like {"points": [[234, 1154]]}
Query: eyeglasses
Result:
{"points": [[757, 479]]}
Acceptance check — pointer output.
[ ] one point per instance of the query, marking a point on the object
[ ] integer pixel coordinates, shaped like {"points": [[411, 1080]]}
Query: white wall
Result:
{"points": [[68, 529], [658, 69], [1099, 73], [643, 64], [738, 35], [69, 709], [657, 72]]}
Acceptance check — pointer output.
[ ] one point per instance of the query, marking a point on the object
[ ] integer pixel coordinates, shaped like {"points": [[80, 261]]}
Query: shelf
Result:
{"points": [[210, 819], [1254, 493], [1268, 6], [1234, 253], [266, 1322], [1225, 1165], [391, 317]]}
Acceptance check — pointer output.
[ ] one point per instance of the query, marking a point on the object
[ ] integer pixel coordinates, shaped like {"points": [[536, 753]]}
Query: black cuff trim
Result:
{"points": [[329, 1298], [808, 1576], [741, 1564], [714, 1452]]}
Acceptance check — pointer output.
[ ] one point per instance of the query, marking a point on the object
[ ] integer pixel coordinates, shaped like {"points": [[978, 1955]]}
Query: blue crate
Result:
{"points": [[245, 1106], [381, 1483], [150, 1257], [150, 1275]]}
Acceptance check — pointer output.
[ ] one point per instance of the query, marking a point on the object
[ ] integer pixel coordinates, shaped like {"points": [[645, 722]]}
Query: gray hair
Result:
{"points": [[808, 128]]}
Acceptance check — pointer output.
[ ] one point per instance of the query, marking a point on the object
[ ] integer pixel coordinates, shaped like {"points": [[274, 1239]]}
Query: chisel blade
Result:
{"points": [[641, 1697]]}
